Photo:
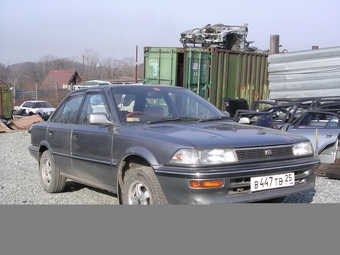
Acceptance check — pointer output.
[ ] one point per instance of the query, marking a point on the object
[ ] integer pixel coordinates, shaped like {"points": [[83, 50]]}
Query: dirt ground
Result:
{"points": [[330, 170]]}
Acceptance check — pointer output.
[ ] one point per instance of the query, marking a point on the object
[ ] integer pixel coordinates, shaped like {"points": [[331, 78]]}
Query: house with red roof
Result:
{"points": [[61, 79]]}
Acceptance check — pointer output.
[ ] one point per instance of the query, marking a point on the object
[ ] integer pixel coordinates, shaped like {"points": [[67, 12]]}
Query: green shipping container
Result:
{"points": [[213, 73], [5, 102]]}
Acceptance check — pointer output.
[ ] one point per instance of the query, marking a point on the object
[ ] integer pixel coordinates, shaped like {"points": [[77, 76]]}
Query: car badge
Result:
{"points": [[268, 152]]}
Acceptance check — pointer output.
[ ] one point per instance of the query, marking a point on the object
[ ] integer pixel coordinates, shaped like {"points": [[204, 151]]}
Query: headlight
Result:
{"points": [[203, 157], [304, 148]]}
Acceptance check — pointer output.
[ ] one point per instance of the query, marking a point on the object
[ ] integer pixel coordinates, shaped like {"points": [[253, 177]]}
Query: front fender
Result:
{"points": [[133, 151], [142, 152]]}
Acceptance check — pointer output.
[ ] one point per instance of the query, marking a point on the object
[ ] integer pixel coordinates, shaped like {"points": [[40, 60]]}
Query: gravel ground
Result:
{"points": [[20, 184]]}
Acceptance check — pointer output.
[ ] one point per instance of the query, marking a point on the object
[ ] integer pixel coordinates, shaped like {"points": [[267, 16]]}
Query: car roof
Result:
{"points": [[125, 85]]}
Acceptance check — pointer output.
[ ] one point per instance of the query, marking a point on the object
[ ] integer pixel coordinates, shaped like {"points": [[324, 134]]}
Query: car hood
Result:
{"points": [[218, 134]]}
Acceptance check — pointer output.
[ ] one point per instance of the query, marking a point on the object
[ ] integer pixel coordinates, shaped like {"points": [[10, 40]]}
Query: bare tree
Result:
{"points": [[110, 68], [53, 63], [140, 71], [90, 65], [127, 68], [4, 73], [35, 73]]}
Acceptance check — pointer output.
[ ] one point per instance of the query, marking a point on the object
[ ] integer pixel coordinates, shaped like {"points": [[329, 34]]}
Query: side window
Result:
{"points": [[68, 113], [333, 122], [320, 120], [27, 104], [94, 103], [37, 105]]}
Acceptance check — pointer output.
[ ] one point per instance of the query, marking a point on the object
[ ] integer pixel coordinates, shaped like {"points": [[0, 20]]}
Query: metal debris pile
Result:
{"points": [[218, 36], [7, 126]]}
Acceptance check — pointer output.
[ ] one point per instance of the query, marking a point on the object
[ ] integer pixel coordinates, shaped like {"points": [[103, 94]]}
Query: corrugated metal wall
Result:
{"points": [[311, 73]]}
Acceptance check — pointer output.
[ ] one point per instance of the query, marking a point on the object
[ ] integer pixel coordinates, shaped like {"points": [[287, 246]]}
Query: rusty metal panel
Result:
{"points": [[237, 74], [310, 73]]}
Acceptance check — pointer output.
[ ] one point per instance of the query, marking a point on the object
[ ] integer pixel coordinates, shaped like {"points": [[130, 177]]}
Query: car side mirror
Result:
{"points": [[244, 120], [99, 118]]}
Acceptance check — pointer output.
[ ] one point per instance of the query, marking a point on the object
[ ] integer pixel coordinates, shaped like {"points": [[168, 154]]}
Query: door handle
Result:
{"points": [[75, 136]]}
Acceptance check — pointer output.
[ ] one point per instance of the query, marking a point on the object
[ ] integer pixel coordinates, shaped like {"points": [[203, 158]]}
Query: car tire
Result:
{"points": [[141, 186], [51, 179]]}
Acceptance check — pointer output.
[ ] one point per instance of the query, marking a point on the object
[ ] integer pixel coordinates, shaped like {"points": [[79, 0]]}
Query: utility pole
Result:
{"points": [[82, 72], [136, 64]]}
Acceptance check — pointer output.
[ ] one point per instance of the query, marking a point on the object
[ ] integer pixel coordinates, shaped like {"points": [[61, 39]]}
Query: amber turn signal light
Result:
{"points": [[205, 184]]}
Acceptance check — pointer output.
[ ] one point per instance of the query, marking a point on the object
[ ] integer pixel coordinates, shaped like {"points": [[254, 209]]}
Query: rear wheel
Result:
{"points": [[50, 177], [141, 187]]}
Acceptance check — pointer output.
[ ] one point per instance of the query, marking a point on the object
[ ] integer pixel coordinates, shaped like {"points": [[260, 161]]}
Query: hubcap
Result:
{"points": [[138, 194], [46, 172]]}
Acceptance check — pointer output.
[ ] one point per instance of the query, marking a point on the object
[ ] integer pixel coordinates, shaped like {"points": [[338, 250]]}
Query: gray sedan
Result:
{"points": [[157, 144]]}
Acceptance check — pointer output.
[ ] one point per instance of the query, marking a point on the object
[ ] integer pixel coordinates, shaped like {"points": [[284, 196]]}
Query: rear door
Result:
{"points": [[60, 130]]}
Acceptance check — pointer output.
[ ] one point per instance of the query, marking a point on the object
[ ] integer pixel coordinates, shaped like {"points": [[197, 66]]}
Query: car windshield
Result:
{"points": [[150, 104]]}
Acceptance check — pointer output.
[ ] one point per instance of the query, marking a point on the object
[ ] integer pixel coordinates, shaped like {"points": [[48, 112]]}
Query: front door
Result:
{"points": [[91, 146]]}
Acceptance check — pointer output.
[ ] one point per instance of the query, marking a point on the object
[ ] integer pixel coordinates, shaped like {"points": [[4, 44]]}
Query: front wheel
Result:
{"points": [[51, 179], [141, 187]]}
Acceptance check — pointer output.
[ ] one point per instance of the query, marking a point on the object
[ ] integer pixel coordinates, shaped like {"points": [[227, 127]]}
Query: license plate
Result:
{"points": [[272, 181]]}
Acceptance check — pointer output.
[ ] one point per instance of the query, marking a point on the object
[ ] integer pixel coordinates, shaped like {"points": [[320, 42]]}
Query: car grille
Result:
{"points": [[264, 153]]}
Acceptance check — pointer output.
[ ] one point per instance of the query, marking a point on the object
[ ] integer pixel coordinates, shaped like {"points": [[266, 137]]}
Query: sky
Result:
{"points": [[33, 29]]}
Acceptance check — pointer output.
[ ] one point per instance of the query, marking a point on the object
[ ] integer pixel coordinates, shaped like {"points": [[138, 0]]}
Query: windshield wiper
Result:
{"points": [[215, 118], [172, 119]]}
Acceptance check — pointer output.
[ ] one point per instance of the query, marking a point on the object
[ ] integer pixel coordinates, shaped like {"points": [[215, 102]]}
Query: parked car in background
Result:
{"points": [[171, 147], [322, 128], [315, 118], [27, 108]]}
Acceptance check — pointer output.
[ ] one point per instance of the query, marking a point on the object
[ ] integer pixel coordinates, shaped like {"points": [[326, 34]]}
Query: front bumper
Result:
{"points": [[236, 189]]}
